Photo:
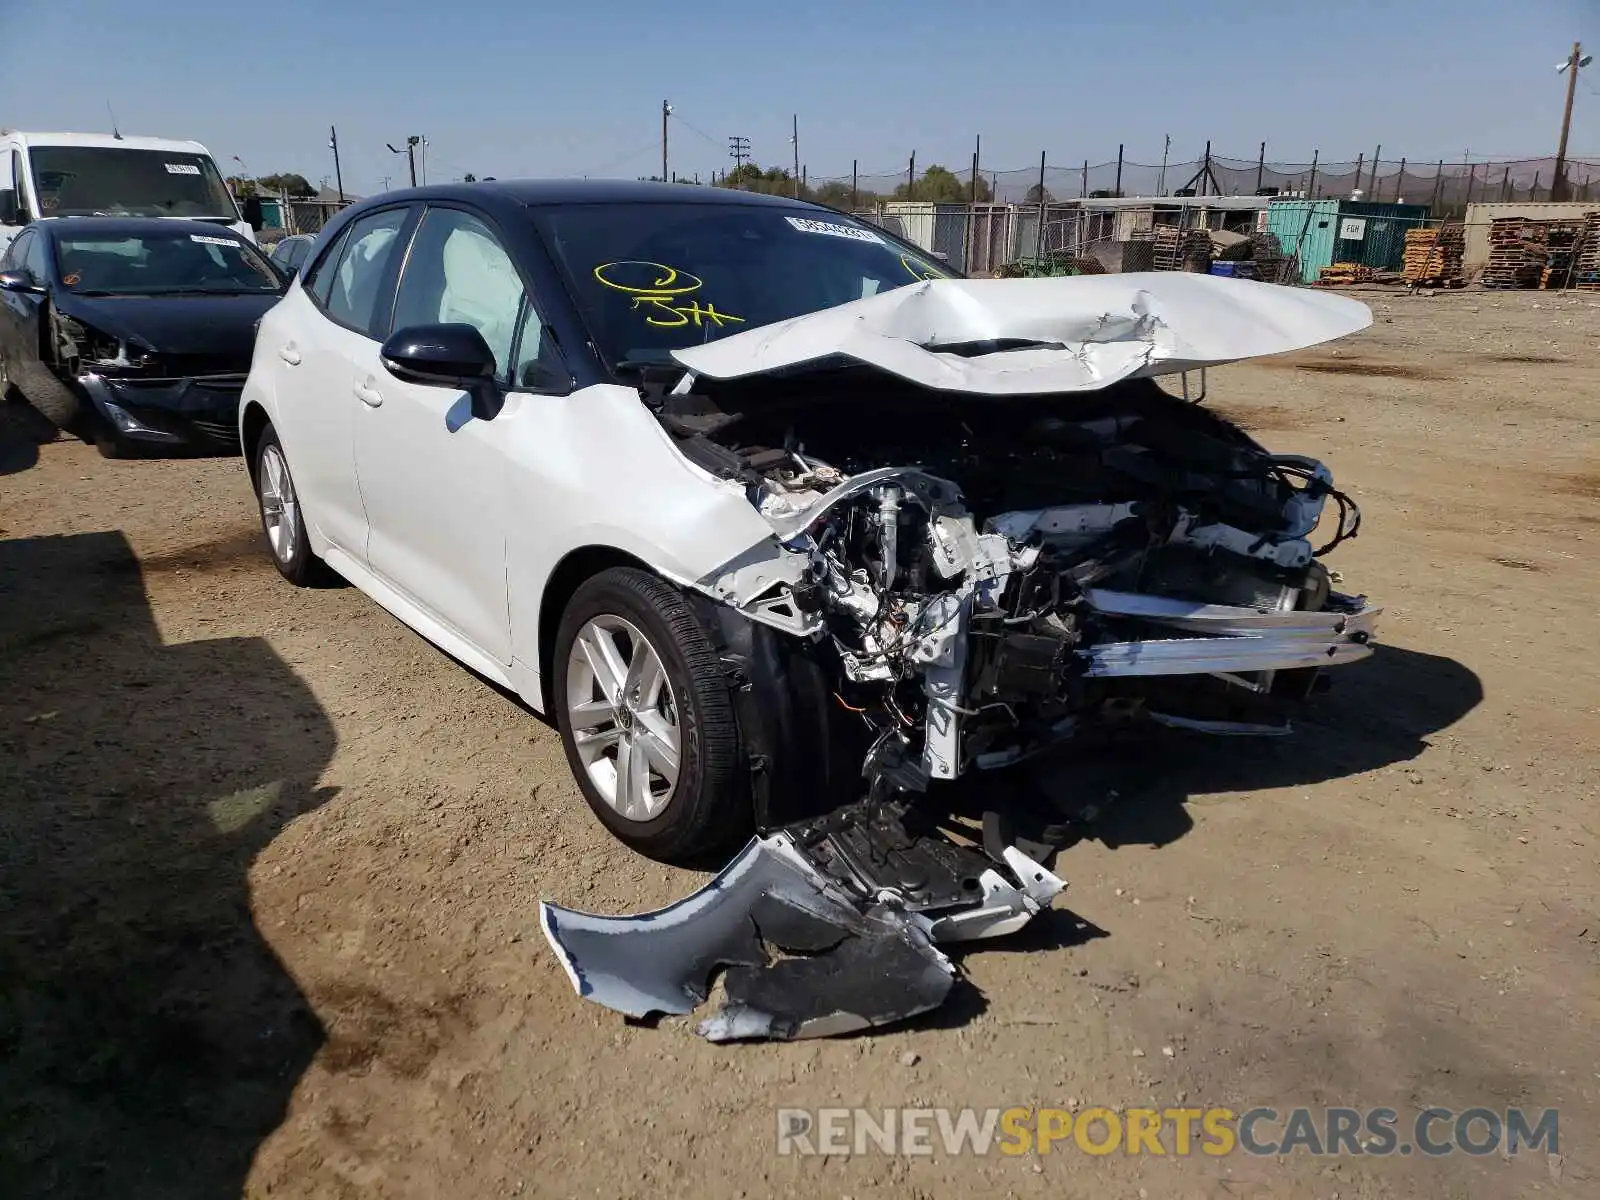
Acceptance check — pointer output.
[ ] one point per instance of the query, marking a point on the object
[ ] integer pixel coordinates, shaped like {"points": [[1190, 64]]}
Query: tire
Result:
{"points": [[282, 523], [705, 806]]}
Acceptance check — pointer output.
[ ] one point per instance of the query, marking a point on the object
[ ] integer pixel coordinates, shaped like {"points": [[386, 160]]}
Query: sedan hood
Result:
{"points": [[1078, 334], [217, 327]]}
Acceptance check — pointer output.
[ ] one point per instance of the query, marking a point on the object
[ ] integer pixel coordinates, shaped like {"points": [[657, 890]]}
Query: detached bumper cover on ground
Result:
{"points": [[857, 952]]}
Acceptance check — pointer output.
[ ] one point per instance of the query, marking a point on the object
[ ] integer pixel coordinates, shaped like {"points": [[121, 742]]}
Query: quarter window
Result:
{"points": [[458, 272], [354, 288], [33, 259]]}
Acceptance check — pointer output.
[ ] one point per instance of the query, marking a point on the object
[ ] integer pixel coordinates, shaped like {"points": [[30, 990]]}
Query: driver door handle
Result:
{"points": [[370, 396], [290, 355]]}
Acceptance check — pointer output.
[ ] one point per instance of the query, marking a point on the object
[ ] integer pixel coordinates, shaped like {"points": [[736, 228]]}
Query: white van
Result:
{"points": [[102, 174]]}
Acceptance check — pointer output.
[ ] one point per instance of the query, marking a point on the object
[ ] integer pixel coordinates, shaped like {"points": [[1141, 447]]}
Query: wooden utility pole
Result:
{"points": [[1117, 190], [1558, 181], [911, 178], [794, 138], [1261, 167], [666, 111], [338, 175]]}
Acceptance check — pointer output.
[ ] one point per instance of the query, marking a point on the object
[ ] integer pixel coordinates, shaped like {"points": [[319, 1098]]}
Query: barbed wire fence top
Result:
{"points": [[1441, 183]]}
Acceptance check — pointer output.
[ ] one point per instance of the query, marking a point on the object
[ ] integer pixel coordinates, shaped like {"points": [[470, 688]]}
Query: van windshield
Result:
{"points": [[79, 181]]}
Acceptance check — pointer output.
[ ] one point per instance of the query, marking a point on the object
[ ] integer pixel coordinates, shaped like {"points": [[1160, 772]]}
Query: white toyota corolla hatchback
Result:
{"points": [[770, 511]]}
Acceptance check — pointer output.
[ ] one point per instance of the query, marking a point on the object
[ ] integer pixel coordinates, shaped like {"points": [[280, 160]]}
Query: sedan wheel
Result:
{"points": [[641, 697], [623, 718]]}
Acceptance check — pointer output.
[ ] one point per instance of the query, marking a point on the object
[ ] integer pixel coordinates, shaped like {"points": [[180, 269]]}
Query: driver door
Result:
{"points": [[434, 476]]}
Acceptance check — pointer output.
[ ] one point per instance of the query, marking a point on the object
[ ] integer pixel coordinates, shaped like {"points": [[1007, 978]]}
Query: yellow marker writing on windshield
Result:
{"points": [[918, 271], [659, 290]]}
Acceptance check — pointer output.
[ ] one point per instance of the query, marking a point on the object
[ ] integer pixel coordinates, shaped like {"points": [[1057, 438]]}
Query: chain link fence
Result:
{"points": [[1440, 183]]}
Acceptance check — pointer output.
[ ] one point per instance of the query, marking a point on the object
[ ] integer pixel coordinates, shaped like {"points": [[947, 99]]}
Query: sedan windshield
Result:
{"points": [[162, 262], [653, 278], [82, 181]]}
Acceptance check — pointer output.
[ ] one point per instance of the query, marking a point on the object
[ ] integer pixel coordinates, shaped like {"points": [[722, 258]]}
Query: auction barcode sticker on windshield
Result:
{"points": [[181, 169], [806, 225], [211, 241]]}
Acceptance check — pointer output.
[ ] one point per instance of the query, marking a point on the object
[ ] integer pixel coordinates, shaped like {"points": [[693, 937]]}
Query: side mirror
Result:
{"points": [[18, 281], [453, 355], [10, 210]]}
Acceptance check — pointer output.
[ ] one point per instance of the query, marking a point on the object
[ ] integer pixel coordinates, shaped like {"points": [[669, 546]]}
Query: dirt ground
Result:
{"points": [[269, 863]]}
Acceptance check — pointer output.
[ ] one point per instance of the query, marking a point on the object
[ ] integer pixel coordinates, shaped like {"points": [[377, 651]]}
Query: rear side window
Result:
{"points": [[355, 284], [321, 277]]}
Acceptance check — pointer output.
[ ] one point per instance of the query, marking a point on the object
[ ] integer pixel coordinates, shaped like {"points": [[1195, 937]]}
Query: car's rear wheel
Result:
{"points": [[646, 718], [281, 519]]}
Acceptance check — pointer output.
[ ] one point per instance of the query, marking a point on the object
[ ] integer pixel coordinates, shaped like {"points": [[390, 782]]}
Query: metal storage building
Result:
{"points": [[1328, 231]]}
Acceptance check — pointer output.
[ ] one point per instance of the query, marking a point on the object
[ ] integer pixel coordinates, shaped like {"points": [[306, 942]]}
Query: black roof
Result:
{"points": [[128, 226], [538, 192]]}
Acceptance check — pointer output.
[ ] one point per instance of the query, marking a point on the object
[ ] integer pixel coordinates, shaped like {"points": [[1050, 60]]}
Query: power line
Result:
{"points": [[693, 129]]}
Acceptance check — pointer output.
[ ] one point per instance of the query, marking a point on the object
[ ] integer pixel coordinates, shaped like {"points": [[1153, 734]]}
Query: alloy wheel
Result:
{"points": [[280, 509], [623, 717]]}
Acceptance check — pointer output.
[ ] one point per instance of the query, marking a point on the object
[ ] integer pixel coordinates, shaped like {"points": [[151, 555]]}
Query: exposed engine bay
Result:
{"points": [[1034, 566], [967, 571]]}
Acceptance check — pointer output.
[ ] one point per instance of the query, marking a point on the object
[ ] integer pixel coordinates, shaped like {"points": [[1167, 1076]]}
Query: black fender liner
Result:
{"points": [[802, 752]]}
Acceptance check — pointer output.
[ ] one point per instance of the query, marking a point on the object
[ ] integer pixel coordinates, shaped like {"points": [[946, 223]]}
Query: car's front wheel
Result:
{"points": [[646, 718], [281, 519]]}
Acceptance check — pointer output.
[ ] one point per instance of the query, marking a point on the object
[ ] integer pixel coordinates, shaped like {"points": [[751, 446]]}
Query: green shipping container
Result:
{"points": [[1330, 231]]}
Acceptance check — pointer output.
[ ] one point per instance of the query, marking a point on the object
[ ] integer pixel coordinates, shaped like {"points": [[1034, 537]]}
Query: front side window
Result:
{"points": [[653, 278], [161, 262], [80, 181], [457, 271], [355, 284], [13, 259], [34, 261]]}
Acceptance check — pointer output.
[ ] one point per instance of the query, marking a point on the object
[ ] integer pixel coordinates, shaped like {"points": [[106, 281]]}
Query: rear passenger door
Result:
{"points": [[338, 311]]}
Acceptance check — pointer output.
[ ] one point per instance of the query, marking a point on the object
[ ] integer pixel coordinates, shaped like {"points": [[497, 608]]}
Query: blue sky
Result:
{"points": [[519, 89]]}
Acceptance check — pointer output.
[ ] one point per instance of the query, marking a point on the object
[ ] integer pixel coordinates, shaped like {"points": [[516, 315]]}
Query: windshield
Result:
{"points": [[162, 262], [79, 181], [653, 278]]}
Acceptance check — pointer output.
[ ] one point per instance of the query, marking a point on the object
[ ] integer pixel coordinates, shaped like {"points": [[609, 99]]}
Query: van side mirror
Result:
{"points": [[10, 207]]}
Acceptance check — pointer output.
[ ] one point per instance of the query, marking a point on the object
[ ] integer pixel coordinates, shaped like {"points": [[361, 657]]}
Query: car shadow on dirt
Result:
{"points": [[149, 1037], [22, 432], [1379, 712]]}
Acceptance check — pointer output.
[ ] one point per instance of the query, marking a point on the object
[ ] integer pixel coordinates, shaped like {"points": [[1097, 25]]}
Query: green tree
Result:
{"points": [[241, 187], [295, 185], [1032, 196], [940, 185]]}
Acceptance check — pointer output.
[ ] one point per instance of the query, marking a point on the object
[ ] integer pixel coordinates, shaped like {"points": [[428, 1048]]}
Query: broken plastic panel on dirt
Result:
{"points": [[822, 929]]}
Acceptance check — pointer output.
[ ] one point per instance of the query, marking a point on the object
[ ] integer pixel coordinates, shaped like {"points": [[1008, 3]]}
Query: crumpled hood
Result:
{"points": [[1099, 329], [218, 327]]}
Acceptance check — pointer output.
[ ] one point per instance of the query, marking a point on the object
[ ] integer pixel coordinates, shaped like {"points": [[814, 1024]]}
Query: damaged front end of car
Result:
{"points": [[1063, 546], [142, 393]]}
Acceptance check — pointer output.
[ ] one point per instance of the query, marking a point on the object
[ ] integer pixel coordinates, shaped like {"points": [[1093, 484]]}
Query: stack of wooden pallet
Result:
{"points": [[1342, 273], [1433, 256], [1182, 249], [1586, 268], [1267, 253], [1561, 244], [1517, 250]]}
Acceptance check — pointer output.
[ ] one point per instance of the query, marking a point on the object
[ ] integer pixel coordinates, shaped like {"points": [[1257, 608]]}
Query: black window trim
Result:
{"points": [[391, 274], [530, 296]]}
